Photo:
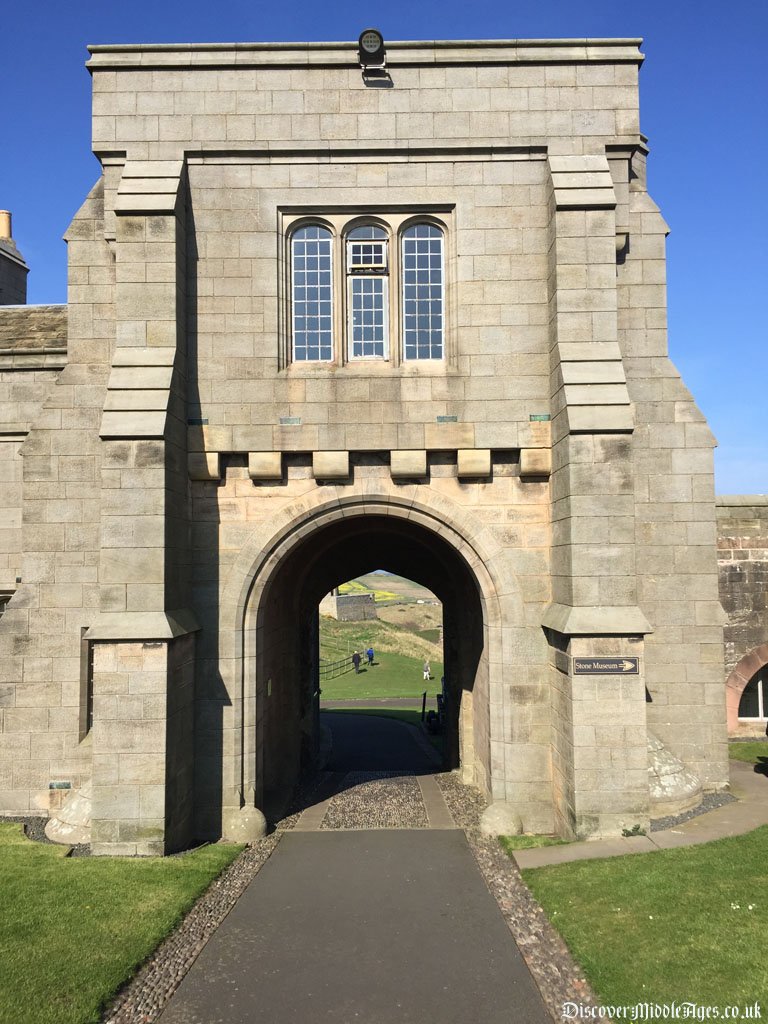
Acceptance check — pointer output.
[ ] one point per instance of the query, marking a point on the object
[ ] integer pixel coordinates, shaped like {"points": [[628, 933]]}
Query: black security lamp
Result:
{"points": [[370, 49]]}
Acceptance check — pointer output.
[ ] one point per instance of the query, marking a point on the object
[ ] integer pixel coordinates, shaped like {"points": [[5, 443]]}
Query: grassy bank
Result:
{"points": [[677, 925], [340, 639], [751, 751], [392, 675], [73, 930]]}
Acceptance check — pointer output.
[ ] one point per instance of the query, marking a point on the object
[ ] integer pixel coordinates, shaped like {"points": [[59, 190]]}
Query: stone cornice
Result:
{"points": [[331, 54], [741, 500], [596, 621], [143, 626]]}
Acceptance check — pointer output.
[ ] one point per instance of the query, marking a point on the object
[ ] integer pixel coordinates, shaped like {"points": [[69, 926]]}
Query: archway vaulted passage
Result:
{"points": [[277, 672]]}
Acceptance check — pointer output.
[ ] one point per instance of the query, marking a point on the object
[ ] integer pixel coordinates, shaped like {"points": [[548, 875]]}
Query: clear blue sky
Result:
{"points": [[704, 97]]}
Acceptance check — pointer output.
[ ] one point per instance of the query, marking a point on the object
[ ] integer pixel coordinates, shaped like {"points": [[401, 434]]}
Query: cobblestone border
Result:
{"points": [[143, 998], [557, 975]]}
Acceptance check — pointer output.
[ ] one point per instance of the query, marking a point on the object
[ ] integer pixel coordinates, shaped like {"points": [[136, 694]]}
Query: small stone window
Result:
{"points": [[754, 698]]}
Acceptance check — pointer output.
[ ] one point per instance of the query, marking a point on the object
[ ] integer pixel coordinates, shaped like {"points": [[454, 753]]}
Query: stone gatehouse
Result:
{"points": [[322, 322]]}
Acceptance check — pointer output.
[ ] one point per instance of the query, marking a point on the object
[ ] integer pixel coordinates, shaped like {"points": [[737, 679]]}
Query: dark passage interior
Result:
{"points": [[287, 648]]}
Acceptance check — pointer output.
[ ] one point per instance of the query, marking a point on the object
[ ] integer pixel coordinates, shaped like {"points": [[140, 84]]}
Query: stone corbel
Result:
{"points": [[407, 465], [473, 462], [535, 463], [204, 466], [265, 466], [330, 465]]}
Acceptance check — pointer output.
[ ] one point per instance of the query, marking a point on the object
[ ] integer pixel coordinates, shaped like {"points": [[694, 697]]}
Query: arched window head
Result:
{"points": [[423, 292], [368, 292], [754, 698], [312, 293]]}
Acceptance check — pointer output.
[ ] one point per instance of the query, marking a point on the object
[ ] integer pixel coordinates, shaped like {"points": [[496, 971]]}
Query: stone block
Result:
{"points": [[265, 465], [535, 462], [408, 464], [330, 465], [600, 418], [204, 466], [133, 424], [448, 436], [473, 462]]}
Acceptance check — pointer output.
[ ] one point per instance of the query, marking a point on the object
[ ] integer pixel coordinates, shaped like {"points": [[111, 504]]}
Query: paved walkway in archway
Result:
{"points": [[372, 925]]}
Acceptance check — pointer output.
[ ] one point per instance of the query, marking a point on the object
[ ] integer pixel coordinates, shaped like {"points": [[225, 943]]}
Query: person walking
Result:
{"points": [[369, 653], [356, 662], [427, 672]]}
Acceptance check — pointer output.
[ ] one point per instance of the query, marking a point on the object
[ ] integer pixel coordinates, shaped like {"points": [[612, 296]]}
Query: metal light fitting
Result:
{"points": [[370, 49]]}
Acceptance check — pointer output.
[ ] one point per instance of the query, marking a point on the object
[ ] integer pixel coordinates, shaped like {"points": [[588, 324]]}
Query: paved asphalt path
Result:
{"points": [[362, 927], [371, 927], [368, 743]]}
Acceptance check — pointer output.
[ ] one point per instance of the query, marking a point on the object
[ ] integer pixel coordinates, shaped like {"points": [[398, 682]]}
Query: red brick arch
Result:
{"points": [[737, 681]]}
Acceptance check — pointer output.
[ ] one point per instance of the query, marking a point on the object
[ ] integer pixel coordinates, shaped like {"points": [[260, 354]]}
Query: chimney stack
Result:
{"points": [[13, 269]]}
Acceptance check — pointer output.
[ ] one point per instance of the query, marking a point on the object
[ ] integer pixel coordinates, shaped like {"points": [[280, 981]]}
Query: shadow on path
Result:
{"points": [[369, 743]]}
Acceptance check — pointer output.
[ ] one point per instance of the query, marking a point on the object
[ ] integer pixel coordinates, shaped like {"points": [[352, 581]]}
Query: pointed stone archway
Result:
{"points": [[272, 637]]}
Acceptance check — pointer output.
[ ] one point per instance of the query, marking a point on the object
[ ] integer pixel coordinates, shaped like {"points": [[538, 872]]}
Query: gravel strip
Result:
{"points": [[554, 970], [143, 998], [709, 802], [312, 790], [377, 800]]}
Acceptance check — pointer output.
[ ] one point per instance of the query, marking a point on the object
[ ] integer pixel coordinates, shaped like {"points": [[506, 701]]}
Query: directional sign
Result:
{"points": [[606, 666]]}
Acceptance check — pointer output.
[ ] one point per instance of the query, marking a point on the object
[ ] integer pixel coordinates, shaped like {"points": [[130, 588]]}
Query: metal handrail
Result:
{"points": [[332, 669]]}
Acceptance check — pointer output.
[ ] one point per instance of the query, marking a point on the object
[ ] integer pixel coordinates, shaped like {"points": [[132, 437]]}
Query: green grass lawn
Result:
{"points": [[393, 675], [685, 925], [751, 751], [73, 930]]}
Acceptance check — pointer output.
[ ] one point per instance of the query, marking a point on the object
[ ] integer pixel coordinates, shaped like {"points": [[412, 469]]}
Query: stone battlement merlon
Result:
{"points": [[399, 53]]}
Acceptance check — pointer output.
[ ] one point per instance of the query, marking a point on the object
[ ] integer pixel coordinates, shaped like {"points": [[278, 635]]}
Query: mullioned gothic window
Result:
{"points": [[366, 292]]}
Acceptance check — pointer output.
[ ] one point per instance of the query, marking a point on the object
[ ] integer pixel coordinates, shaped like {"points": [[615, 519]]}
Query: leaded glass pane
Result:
{"points": [[423, 291], [312, 294], [367, 247], [368, 316]]}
